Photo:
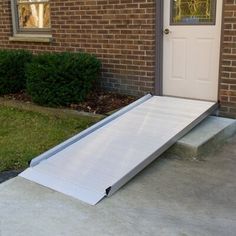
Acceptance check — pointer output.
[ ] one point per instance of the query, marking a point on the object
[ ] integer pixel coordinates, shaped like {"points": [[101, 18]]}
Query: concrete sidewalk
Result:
{"points": [[172, 196]]}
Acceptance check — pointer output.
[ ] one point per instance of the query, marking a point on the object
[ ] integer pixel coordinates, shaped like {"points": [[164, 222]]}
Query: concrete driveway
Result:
{"points": [[172, 196]]}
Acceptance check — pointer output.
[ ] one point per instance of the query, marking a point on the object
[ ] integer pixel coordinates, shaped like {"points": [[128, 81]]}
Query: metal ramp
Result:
{"points": [[98, 161]]}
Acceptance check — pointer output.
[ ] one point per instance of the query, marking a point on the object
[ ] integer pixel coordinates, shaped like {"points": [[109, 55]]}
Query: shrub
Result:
{"points": [[12, 70], [56, 79]]}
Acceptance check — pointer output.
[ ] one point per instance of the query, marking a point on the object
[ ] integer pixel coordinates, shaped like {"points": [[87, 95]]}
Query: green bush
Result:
{"points": [[12, 70], [55, 79]]}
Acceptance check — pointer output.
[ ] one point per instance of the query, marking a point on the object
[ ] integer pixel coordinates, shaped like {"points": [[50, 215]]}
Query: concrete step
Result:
{"points": [[206, 137]]}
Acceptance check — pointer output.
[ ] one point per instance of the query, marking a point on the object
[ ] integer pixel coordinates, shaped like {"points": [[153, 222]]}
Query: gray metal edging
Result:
{"points": [[88, 131]]}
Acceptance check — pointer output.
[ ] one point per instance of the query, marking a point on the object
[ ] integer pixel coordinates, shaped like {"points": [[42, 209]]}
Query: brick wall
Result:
{"points": [[120, 32], [227, 93]]}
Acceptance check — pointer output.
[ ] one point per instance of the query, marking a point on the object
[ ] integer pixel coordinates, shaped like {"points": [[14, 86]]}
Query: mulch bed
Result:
{"points": [[97, 102]]}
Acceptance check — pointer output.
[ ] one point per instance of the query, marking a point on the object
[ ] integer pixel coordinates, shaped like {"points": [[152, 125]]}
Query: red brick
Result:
{"points": [[227, 87], [119, 32]]}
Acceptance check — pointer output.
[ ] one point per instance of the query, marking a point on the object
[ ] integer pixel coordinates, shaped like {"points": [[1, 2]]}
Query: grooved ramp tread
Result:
{"points": [[101, 162]]}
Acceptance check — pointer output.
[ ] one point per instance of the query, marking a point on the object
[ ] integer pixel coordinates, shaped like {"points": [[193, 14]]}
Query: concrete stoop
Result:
{"points": [[206, 137]]}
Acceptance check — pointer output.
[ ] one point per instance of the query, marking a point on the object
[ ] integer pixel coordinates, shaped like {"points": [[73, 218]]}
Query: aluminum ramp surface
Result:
{"points": [[97, 162]]}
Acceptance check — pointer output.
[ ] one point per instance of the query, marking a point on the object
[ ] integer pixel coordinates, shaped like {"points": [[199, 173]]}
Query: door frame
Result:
{"points": [[158, 90], [159, 37]]}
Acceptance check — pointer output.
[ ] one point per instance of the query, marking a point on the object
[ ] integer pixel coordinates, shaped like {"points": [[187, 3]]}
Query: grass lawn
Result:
{"points": [[25, 134]]}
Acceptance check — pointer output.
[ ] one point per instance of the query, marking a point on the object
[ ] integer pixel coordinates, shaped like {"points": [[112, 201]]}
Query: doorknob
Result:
{"points": [[166, 31]]}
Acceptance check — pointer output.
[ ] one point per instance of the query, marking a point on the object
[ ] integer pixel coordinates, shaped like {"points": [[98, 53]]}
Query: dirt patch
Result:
{"points": [[97, 102], [6, 175], [103, 102], [21, 96]]}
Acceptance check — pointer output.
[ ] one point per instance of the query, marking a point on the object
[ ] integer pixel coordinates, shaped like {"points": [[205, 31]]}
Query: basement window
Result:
{"points": [[31, 19]]}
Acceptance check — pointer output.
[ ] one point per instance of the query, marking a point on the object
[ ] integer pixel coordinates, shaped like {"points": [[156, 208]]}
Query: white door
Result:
{"points": [[192, 32]]}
